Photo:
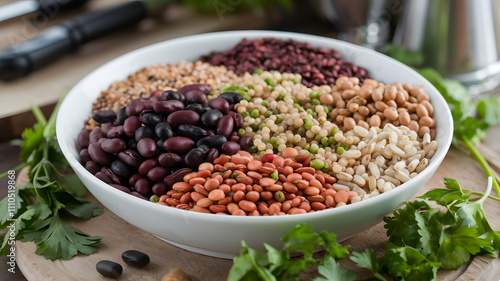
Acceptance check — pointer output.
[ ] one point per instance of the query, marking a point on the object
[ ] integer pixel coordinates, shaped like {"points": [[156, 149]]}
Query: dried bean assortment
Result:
{"points": [[152, 143], [317, 66], [241, 186]]}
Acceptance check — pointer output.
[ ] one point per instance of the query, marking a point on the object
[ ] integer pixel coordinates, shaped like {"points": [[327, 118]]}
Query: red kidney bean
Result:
{"points": [[190, 131], [178, 145], [114, 177], [144, 107], [146, 166], [168, 107], [234, 138], [210, 133], [159, 189], [225, 126], [176, 176], [105, 128], [92, 167], [113, 145], [157, 98], [130, 157], [134, 178], [115, 132], [151, 119], [138, 195], [84, 155], [230, 147], [121, 169], [143, 186], [245, 141], [169, 160], [130, 125], [213, 153], [102, 176], [180, 117], [212, 141], [204, 88], [211, 117], [121, 187], [147, 147], [95, 135], [98, 155], [220, 104], [83, 138], [172, 95], [238, 119], [157, 174], [104, 116], [195, 96], [121, 115], [196, 156], [130, 109]]}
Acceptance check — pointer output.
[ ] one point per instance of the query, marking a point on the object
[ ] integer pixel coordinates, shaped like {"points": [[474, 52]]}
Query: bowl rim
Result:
{"points": [[128, 198]]}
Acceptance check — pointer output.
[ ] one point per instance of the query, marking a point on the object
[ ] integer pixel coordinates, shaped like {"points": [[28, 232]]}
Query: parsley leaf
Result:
{"points": [[489, 110], [332, 271], [369, 260]]}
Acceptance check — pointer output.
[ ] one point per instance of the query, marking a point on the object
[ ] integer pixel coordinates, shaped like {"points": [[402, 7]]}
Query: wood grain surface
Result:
{"points": [[119, 236]]}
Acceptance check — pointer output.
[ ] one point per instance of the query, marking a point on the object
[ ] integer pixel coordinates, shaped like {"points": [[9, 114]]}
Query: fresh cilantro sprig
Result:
{"points": [[39, 204], [422, 240]]}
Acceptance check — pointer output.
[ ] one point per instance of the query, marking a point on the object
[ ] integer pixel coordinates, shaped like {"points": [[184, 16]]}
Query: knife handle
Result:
{"points": [[53, 6], [23, 58]]}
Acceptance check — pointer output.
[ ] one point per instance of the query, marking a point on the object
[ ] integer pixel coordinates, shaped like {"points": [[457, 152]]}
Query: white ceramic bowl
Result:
{"points": [[221, 236]]}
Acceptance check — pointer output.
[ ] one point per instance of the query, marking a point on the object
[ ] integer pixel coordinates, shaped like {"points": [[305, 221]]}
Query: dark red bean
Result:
{"points": [[213, 154], [180, 117], [98, 155], [220, 104], [130, 157], [157, 174], [121, 187], [199, 87], [146, 166], [121, 169], [176, 176], [157, 98], [130, 125], [138, 195], [92, 167], [167, 107], [230, 147], [105, 128], [147, 147], [95, 135], [178, 145], [83, 138], [102, 176], [234, 138], [84, 156], [245, 141], [115, 132], [144, 107], [195, 96], [113, 145], [169, 160], [159, 189], [225, 126], [143, 186], [134, 178], [130, 109], [114, 177], [104, 116], [210, 133], [238, 119]]}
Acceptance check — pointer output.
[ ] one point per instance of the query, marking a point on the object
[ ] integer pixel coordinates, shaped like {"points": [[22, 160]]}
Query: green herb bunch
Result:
{"points": [[35, 209], [422, 239]]}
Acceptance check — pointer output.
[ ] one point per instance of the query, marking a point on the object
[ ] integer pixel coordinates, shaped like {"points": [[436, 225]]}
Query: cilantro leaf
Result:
{"points": [[368, 260], [302, 238], [332, 271]]}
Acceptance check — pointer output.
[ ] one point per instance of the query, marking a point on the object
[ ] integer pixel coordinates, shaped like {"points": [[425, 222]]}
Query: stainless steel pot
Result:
{"points": [[459, 38]]}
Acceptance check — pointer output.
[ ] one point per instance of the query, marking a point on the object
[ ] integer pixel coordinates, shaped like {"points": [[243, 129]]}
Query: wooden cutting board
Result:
{"points": [[119, 236]]}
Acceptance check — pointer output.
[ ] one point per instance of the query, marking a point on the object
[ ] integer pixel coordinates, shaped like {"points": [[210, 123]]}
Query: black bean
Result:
{"points": [[151, 119], [212, 141], [121, 115], [198, 108], [130, 125], [213, 154], [113, 145], [199, 87], [104, 116], [109, 269], [163, 130], [167, 107], [143, 186], [115, 132], [146, 166], [231, 97], [143, 132], [159, 189], [176, 176], [121, 169], [190, 131], [196, 156], [134, 178], [98, 155], [230, 147], [92, 167], [132, 144], [157, 174], [220, 104], [173, 95], [130, 157], [135, 258], [211, 117], [178, 145], [169, 160], [147, 147], [83, 138], [225, 126], [84, 156], [180, 117], [245, 141], [121, 187]]}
